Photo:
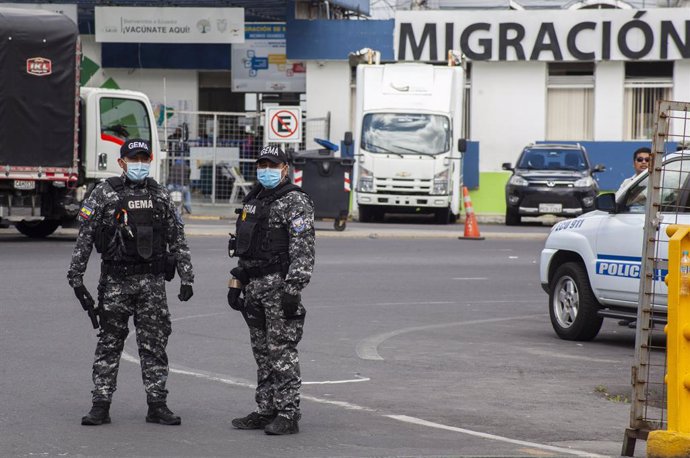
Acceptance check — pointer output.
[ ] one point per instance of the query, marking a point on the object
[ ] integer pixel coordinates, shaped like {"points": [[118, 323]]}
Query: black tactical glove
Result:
{"points": [[290, 303], [234, 300], [84, 297], [186, 292]]}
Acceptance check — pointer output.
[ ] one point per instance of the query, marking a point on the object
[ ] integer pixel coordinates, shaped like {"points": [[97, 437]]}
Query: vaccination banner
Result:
{"points": [[169, 25], [260, 63]]}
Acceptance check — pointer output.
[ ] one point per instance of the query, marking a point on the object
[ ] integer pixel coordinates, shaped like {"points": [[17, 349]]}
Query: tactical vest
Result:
{"points": [[136, 234], [255, 240]]}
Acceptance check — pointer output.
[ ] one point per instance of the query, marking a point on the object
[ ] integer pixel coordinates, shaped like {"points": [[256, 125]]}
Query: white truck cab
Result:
{"points": [[110, 117], [590, 266], [409, 120]]}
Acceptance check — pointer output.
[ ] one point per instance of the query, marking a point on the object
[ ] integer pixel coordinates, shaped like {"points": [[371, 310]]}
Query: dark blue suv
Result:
{"points": [[551, 179]]}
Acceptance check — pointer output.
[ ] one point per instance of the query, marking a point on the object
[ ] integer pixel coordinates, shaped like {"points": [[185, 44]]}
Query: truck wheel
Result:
{"points": [[367, 214], [572, 305], [512, 218], [442, 216], [38, 229]]}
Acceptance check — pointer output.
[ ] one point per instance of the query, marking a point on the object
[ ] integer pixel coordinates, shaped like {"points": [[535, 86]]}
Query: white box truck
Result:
{"points": [[409, 140], [57, 140]]}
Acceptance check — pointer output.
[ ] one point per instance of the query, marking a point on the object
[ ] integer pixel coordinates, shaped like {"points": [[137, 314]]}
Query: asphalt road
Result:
{"points": [[413, 346]]}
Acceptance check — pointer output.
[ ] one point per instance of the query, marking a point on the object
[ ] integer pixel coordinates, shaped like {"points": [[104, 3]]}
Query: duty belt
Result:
{"points": [[122, 269], [262, 271]]}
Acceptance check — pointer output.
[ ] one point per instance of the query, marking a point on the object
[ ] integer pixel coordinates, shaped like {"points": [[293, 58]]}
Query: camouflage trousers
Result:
{"points": [[274, 344], [143, 297]]}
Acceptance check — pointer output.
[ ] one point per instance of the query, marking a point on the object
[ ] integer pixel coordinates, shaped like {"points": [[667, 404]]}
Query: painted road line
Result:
{"points": [[552, 354], [550, 448], [214, 377], [367, 349]]}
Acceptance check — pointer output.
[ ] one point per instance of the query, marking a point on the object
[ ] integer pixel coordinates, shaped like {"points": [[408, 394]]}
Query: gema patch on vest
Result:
{"points": [[139, 203]]}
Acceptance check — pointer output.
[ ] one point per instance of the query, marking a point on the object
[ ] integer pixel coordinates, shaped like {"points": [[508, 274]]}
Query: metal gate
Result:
{"points": [[667, 204], [210, 155]]}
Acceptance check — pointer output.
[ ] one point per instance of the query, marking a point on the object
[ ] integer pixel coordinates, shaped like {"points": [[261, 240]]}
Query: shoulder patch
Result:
{"points": [[86, 212], [298, 225]]}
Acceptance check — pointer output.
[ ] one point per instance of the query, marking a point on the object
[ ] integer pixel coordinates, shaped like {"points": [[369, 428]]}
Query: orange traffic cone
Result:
{"points": [[471, 226]]}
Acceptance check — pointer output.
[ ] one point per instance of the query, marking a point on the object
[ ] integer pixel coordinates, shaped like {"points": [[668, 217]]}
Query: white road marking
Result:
{"points": [[368, 348], [430, 424], [415, 303], [220, 378], [213, 377], [555, 354], [337, 382]]}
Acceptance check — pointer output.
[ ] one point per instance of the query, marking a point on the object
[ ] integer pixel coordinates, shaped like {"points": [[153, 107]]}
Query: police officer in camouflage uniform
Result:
{"points": [[133, 223], [275, 244]]}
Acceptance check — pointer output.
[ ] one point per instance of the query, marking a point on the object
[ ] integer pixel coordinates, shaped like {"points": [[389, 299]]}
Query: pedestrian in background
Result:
{"points": [[641, 158], [275, 244], [133, 224]]}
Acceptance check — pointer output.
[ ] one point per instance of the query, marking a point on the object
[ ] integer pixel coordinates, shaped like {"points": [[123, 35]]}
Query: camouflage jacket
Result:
{"points": [[295, 212], [99, 209]]}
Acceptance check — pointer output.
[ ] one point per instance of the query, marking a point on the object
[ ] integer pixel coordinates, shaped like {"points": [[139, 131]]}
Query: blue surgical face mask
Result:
{"points": [[138, 171], [268, 177]]}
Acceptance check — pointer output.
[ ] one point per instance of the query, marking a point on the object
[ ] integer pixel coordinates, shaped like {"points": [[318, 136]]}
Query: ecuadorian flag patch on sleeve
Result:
{"points": [[86, 212]]}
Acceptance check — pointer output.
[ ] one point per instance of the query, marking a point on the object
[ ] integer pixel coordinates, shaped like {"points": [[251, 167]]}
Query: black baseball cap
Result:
{"points": [[273, 154], [134, 146]]}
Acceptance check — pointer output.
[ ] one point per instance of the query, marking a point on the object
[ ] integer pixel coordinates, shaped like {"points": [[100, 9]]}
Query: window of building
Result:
{"points": [[645, 83], [570, 101]]}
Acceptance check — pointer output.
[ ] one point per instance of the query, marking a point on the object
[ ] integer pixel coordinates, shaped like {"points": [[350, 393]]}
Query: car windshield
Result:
{"points": [[552, 159], [400, 133]]}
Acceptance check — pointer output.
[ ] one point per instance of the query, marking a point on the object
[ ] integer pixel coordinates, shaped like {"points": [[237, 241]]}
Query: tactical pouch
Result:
{"points": [[245, 235], [101, 239], [144, 236], [170, 266]]}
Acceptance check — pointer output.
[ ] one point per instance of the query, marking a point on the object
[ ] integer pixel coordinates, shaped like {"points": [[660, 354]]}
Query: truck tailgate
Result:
{"points": [[38, 89]]}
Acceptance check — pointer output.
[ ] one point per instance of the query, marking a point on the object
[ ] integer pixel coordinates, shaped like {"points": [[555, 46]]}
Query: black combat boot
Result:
{"points": [[253, 421], [282, 425], [99, 414], [159, 413]]}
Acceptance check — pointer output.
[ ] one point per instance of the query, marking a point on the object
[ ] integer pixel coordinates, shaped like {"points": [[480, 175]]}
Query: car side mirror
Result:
{"points": [[506, 166], [606, 202], [347, 139], [462, 145], [599, 168]]}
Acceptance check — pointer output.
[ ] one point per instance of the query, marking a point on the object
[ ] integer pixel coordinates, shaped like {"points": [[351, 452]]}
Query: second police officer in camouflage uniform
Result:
{"points": [[275, 244], [134, 225]]}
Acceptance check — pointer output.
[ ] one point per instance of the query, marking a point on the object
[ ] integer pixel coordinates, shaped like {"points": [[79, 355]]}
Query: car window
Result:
{"points": [[124, 118], [675, 190], [552, 159], [636, 196], [674, 187]]}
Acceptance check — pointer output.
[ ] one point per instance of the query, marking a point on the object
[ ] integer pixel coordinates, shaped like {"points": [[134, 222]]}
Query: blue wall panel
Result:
{"points": [[616, 156], [334, 40], [470, 166], [176, 56]]}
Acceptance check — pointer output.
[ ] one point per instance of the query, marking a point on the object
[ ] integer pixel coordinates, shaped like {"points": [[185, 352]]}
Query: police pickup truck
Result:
{"points": [[590, 266]]}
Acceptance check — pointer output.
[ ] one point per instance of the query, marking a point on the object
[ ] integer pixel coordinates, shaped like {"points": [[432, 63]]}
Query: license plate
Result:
{"points": [[550, 208], [24, 184]]}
